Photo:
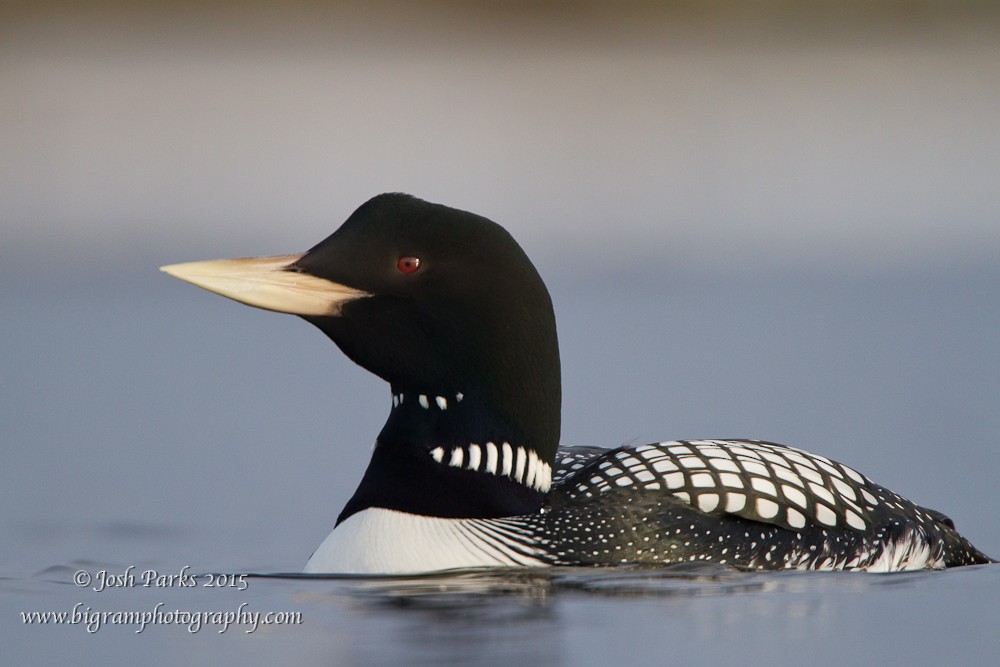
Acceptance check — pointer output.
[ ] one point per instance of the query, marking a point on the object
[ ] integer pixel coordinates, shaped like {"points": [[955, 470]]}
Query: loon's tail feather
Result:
{"points": [[957, 550]]}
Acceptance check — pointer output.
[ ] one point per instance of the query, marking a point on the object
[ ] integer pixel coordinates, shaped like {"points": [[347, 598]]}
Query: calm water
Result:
{"points": [[564, 617], [148, 424]]}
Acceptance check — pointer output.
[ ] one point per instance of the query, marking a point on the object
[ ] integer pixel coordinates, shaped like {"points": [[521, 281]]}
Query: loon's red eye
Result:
{"points": [[408, 264]]}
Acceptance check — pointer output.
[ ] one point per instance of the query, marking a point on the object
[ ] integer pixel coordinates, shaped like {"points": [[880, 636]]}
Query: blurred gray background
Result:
{"points": [[761, 219]]}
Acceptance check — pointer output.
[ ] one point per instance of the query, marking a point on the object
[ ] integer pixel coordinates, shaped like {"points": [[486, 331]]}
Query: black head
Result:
{"points": [[455, 306], [446, 307]]}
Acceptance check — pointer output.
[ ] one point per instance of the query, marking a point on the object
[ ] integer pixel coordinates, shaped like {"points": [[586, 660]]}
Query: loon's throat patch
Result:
{"points": [[520, 464]]}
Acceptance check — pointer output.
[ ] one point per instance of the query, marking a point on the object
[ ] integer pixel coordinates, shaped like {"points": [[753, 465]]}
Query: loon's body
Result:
{"points": [[467, 471], [743, 503]]}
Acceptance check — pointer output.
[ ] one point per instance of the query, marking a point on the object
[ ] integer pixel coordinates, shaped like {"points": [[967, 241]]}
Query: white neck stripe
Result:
{"points": [[426, 401], [521, 465]]}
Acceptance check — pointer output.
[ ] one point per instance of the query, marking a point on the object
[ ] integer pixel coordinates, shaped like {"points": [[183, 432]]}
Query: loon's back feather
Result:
{"points": [[740, 502]]}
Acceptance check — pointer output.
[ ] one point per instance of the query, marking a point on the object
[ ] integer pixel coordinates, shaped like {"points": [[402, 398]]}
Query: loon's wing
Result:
{"points": [[743, 488], [755, 480]]}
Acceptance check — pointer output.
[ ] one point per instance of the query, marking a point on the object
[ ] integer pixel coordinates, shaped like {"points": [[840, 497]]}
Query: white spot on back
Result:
{"points": [[708, 502], [794, 495], [809, 473], [674, 480], [799, 458], [788, 476], [702, 480], [457, 455], [724, 464], [714, 452], [795, 518], [775, 459], [743, 451], [764, 486], [834, 473], [825, 515], [843, 489], [422, 399], [442, 402], [437, 454], [664, 465], [853, 474], [735, 502], [731, 480], [855, 521], [822, 492], [767, 509]]}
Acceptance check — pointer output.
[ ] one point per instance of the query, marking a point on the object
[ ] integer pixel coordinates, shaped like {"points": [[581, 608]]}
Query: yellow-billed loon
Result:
{"points": [[446, 307]]}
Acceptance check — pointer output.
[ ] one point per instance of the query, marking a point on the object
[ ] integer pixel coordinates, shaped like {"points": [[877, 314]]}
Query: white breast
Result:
{"points": [[382, 541]]}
